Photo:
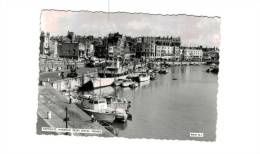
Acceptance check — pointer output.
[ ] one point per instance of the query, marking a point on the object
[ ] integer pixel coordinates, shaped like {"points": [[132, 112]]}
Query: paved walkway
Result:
{"points": [[51, 100]]}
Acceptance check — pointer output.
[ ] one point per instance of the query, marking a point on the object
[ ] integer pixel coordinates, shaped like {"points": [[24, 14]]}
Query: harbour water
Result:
{"points": [[172, 109]]}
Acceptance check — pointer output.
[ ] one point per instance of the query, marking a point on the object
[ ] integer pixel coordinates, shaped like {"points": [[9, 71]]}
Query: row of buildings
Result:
{"points": [[115, 44]]}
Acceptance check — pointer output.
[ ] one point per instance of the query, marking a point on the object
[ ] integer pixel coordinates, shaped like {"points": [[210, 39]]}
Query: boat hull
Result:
{"points": [[121, 118], [121, 115], [116, 105], [125, 84], [99, 116], [104, 82], [144, 78]]}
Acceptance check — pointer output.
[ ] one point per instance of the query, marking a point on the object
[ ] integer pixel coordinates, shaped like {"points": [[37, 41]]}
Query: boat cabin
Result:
{"points": [[98, 104]]}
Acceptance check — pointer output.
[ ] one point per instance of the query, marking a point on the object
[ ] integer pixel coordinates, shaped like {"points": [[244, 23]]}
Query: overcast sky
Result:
{"points": [[192, 30]]}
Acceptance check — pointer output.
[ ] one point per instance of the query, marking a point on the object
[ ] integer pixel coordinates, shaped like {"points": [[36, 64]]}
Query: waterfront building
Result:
{"points": [[177, 53], [53, 44], [168, 41], [100, 51], [82, 49], [116, 44], [136, 49], [68, 47], [148, 47], [90, 50], [44, 43], [86, 49], [71, 36], [158, 47], [162, 51], [193, 54], [68, 50]]}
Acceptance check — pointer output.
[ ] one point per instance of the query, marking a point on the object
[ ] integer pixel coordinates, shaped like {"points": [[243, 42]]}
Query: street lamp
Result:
{"points": [[66, 119], [69, 88]]}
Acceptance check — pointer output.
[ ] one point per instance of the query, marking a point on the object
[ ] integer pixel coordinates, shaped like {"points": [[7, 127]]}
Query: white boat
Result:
{"points": [[144, 77], [109, 75], [98, 82], [115, 103], [126, 83], [97, 106], [102, 82]]}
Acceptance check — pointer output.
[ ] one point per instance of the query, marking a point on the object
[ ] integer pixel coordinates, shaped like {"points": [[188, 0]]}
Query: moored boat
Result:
{"points": [[144, 77], [108, 76], [97, 106], [126, 83], [101, 82], [120, 106]]}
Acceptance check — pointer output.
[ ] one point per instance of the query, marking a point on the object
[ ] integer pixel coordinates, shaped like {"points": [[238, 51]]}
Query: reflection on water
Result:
{"points": [[171, 109]]}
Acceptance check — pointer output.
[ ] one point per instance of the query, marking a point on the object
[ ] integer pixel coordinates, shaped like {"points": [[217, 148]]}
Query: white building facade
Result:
{"points": [[53, 48], [162, 51], [193, 54]]}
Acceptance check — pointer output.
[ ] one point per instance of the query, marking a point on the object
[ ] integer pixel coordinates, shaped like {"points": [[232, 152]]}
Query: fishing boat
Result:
{"points": [[97, 106], [143, 77]]}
